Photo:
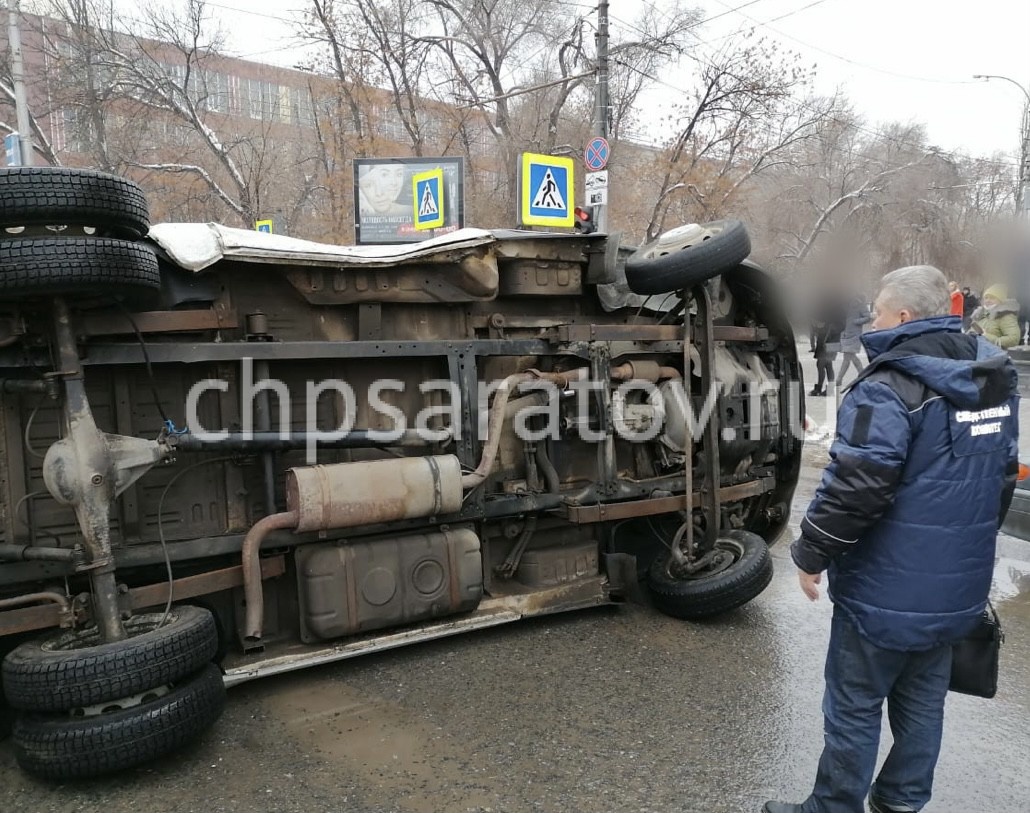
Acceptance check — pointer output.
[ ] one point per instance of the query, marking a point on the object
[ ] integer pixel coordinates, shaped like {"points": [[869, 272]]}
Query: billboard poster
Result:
{"points": [[385, 209]]}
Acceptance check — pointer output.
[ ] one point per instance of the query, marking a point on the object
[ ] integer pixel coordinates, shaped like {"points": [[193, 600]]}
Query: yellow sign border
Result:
{"points": [[259, 223], [530, 158], [425, 176]]}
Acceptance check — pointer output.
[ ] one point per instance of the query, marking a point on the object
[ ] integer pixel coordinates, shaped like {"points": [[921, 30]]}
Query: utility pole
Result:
{"points": [[1023, 190], [1024, 164], [601, 97], [18, 79]]}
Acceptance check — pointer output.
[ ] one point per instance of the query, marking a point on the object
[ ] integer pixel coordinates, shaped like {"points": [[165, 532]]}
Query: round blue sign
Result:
{"points": [[596, 154]]}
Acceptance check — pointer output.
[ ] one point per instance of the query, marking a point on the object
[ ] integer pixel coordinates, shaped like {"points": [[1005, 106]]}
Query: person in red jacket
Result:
{"points": [[958, 302]]}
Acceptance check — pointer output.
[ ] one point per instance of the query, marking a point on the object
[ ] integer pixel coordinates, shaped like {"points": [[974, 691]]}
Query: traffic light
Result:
{"points": [[585, 220]]}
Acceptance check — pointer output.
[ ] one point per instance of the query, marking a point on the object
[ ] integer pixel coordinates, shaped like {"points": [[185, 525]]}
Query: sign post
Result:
{"points": [[264, 225], [546, 191], [595, 156]]}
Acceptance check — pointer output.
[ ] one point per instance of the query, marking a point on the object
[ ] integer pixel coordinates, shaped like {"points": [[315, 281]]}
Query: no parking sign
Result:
{"points": [[596, 154]]}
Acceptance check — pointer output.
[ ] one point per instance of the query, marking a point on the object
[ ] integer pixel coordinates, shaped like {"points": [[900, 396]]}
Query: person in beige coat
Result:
{"points": [[998, 318]]}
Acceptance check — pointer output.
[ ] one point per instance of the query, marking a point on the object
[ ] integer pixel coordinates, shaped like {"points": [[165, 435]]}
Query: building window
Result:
{"points": [[77, 130], [301, 106], [235, 99]]}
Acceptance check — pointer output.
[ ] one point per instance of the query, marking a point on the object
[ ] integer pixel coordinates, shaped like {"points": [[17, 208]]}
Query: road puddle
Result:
{"points": [[1011, 580], [378, 742], [1010, 590]]}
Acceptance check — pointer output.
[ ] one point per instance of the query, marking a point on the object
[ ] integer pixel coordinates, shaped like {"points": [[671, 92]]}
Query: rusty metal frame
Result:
{"points": [[104, 324], [114, 354], [27, 619], [710, 501], [201, 584], [655, 333], [610, 512]]}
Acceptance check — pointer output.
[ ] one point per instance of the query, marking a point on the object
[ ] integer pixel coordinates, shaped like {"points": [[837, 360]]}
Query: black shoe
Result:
{"points": [[781, 807], [882, 807], [817, 392]]}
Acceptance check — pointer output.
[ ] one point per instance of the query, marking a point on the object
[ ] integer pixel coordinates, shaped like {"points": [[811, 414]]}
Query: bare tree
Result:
{"points": [[8, 114], [742, 119], [372, 46], [162, 84], [525, 66], [40, 142]]}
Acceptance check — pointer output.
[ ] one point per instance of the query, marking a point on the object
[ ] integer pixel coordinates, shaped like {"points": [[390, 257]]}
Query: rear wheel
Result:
{"points": [[739, 569], [62, 746], [76, 668], [59, 197], [94, 267]]}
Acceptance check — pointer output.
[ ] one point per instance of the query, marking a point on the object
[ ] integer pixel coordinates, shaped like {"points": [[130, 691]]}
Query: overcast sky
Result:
{"points": [[898, 60]]}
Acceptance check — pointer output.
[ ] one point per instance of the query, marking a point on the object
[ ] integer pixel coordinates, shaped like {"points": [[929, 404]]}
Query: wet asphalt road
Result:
{"points": [[616, 709]]}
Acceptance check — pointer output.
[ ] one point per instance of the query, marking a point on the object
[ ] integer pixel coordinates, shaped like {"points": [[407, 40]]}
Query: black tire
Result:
{"points": [[57, 196], [73, 669], [6, 719], [64, 747], [709, 593], [58, 266], [659, 269]]}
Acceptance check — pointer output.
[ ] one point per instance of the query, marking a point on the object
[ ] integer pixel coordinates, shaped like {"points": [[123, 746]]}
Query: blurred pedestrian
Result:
{"points": [[826, 331], [905, 523], [1024, 320], [970, 303], [997, 318], [957, 302], [855, 318]]}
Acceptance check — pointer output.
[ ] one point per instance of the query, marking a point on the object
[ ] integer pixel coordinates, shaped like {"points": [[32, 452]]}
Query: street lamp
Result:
{"points": [[1023, 192]]}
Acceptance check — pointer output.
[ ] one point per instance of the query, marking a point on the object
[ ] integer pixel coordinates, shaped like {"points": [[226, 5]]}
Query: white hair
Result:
{"points": [[922, 290]]}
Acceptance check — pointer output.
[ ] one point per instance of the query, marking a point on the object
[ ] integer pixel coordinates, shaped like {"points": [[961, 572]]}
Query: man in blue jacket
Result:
{"points": [[904, 522]]}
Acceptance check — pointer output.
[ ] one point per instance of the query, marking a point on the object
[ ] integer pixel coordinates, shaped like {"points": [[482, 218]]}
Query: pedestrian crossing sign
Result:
{"points": [[427, 190], [546, 191]]}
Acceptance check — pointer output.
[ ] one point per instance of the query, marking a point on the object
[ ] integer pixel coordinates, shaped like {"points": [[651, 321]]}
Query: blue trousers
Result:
{"points": [[859, 677]]}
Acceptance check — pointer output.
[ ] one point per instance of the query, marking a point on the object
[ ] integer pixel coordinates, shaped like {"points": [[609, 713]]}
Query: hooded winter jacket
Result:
{"points": [[921, 474], [1001, 325]]}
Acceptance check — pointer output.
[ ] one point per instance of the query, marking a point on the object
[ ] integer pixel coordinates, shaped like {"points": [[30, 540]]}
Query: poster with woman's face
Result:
{"points": [[384, 204]]}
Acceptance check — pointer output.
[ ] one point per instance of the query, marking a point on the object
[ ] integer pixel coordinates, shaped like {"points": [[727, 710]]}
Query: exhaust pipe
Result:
{"points": [[348, 495]]}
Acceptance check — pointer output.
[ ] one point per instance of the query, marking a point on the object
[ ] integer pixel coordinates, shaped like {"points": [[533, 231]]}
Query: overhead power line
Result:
{"points": [[799, 106], [768, 24]]}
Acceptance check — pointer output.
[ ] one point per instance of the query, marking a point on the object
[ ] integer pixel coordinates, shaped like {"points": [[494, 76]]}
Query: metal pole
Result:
{"points": [[601, 97], [1024, 160], [1023, 190], [18, 79]]}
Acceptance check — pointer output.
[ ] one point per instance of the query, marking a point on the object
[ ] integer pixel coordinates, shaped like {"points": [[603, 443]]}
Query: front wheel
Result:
{"points": [[687, 256], [740, 569]]}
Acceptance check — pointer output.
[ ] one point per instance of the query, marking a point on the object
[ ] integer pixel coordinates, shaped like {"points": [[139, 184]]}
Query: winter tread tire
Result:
{"points": [[44, 196], [62, 747], [55, 266], [71, 670], [691, 265], [720, 593]]}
